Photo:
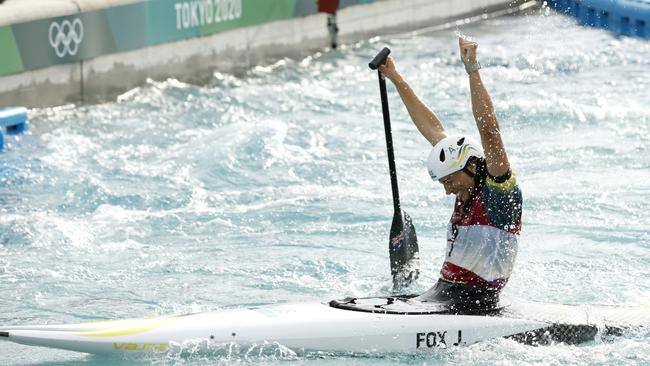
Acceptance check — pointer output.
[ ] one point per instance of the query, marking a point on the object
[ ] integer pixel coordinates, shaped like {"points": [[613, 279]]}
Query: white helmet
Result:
{"points": [[451, 154]]}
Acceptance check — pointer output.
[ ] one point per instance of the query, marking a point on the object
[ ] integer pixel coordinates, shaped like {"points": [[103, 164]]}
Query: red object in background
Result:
{"points": [[328, 6]]}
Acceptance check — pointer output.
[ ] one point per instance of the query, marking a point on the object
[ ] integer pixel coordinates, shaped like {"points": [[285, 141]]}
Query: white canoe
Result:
{"points": [[359, 326]]}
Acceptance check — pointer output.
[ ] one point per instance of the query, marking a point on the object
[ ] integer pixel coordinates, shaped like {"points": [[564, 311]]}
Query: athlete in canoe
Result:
{"points": [[482, 236]]}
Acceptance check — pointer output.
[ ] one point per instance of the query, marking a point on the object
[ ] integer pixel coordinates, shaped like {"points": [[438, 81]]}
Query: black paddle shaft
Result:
{"points": [[403, 246], [379, 60]]}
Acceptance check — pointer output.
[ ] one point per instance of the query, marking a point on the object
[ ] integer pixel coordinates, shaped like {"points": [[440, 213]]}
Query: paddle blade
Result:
{"points": [[403, 249]]}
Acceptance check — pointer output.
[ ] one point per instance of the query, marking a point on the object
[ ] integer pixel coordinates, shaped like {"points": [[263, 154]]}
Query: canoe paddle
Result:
{"points": [[403, 243]]}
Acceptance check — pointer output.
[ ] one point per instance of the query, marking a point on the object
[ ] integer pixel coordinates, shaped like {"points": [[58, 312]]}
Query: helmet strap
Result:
{"points": [[468, 172], [465, 169]]}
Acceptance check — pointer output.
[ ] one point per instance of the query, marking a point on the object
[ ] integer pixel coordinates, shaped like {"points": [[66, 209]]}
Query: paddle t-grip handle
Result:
{"points": [[379, 59]]}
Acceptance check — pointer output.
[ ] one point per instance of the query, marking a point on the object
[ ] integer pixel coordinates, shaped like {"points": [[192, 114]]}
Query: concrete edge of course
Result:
{"points": [[196, 59]]}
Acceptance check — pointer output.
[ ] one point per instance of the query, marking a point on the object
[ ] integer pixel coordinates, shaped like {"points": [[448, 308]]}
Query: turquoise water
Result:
{"points": [[273, 187]]}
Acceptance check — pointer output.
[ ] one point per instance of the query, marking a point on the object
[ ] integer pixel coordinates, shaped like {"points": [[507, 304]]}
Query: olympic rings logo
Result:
{"points": [[66, 37]]}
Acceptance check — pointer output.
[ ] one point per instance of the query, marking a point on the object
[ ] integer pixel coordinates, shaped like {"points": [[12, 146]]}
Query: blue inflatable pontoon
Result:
{"points": [[13, 121], [623, 17]]}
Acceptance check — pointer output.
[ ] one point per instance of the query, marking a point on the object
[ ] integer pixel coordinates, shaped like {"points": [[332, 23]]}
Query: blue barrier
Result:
{"points": [[623, 17], [13, 121]]}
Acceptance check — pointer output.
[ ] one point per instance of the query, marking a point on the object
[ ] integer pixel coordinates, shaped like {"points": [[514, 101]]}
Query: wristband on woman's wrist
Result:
{"points": [[472, 68]]}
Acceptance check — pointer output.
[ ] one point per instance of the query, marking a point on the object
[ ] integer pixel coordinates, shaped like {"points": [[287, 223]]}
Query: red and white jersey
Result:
{"points": [[482, 243]]}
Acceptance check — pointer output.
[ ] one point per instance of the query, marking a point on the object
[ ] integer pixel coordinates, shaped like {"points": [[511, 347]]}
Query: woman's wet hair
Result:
{"points": [[480, 172]]}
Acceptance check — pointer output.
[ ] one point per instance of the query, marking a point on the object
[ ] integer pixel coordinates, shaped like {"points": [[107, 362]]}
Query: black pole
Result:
{"points": [[389, 142], [374, 64], [402, 243]]}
